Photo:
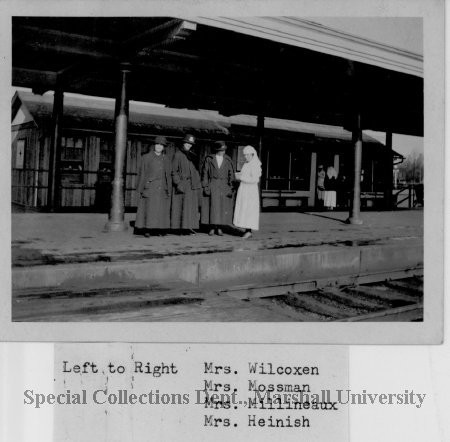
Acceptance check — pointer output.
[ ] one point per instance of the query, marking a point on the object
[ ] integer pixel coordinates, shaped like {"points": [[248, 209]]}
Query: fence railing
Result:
{"points": [[408, 196]]}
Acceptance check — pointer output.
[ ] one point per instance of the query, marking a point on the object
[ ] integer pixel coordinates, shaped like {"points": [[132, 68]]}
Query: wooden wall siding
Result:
{"points": [[23, 189], [29, 186], [92, 162], [72, 196], [78, 195], [25, 181], [133, 156], [83, 195], [44, 157], [44, 146]]}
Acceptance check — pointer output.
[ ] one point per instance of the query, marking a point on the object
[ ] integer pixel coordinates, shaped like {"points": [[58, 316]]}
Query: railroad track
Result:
{"points": [[395, 296], [387, 301]]}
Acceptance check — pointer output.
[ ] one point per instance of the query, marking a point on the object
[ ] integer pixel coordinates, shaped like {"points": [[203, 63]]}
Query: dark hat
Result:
{"points": [[189, 139], [161, 140], [220, 145]]}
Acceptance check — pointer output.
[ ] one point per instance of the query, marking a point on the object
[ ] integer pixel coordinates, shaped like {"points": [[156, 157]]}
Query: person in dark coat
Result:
{"points": [[217, 182], [185, 215], [154, 186]]}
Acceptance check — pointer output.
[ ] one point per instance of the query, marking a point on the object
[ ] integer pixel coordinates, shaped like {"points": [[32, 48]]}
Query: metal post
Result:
{"points": [[313, 181], [116, 221], [54, 165], [260, 135], [390, 172], [354, 217]]}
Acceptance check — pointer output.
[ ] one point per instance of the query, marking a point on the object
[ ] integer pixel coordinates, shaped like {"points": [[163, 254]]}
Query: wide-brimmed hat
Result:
{"points": [[189, 139], [219, 146], [161, 140]]}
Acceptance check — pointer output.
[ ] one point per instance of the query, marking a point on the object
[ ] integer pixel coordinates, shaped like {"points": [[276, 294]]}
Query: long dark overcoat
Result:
{"points": [[154, 188], [217, 182], [185, 192]]}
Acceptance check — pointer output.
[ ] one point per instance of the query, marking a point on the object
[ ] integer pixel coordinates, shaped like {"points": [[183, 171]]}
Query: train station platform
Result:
{"points": [[71, 250]]}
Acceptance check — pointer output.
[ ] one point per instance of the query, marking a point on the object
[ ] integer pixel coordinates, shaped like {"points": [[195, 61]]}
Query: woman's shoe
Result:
{"points": [[219, 232], [246, 235], [211, 232], [147, 235]]}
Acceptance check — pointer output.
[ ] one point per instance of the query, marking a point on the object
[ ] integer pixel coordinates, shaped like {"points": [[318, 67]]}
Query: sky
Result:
{"points": [[403, 144], [401, 32]]}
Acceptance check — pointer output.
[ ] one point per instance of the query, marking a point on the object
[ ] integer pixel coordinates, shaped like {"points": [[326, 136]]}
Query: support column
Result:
{"points": [[259, 147], [116, 221], [54, 164], [260, 134], [389, 175], [336, 163], [355, 207], [313, 181]]}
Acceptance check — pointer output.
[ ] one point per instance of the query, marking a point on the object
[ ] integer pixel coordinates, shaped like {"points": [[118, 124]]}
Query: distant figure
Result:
{"points": [[217, 183], [154, 188], [320, 185], [418, 191], [342, 191], [246, 212], [184, 213], [330, 183], [396, 173]]}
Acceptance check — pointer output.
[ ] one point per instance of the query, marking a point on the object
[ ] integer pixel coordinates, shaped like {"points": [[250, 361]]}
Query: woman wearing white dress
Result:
{"points": [[329, 197], [246, 212]]}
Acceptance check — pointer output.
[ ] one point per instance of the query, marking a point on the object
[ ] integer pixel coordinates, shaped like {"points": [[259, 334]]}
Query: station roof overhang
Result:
{"points": [[94, 113], [279, 67]]}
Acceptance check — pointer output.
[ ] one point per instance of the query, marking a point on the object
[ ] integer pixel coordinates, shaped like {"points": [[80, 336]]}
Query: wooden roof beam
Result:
{"points": [[37, 78], [163, 34], [206, 61], [38, 39]]}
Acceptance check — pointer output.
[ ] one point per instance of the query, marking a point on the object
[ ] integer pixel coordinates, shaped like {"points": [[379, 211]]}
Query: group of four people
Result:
{"points": [[173, 194]]}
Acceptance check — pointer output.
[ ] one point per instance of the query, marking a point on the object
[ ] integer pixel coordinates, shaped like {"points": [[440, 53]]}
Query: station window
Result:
{"points": [[278, 170], [367, 175], [105, 166], [106, 151], [300, 169], [72, 160], [379, 175], [289, 168]]}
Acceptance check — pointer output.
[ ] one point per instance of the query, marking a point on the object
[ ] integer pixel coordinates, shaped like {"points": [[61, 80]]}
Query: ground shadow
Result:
{"points": [[320, 215]]}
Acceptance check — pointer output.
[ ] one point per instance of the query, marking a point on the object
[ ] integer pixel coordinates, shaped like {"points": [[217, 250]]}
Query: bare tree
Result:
{"points": [[411, 170]]}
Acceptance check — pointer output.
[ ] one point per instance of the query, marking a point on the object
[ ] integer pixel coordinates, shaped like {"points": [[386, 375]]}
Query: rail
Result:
{"points": [[388, 296], [409, 195]]}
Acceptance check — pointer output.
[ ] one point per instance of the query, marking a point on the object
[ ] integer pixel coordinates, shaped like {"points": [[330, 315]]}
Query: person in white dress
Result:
{"points": [[246, 211], [329, 197]]}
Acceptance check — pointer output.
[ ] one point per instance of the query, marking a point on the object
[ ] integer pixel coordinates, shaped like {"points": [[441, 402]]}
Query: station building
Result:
{"points": [[291, 155]]}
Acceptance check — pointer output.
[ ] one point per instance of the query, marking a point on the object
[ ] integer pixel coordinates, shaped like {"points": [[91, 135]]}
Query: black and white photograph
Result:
{"points": [[224, 220], [218, 169]]}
